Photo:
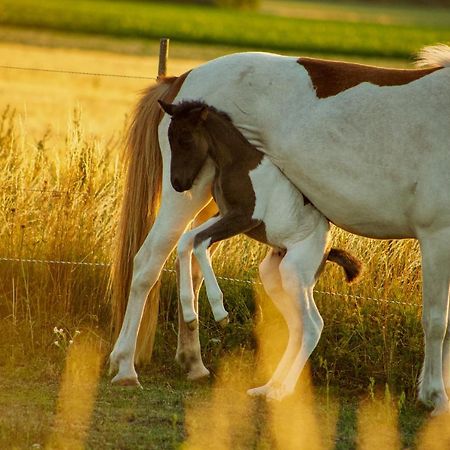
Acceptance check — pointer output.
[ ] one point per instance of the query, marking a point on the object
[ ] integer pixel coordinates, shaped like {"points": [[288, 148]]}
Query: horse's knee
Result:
{"points": [[270, 274], [435, 328], [296, 274], [184, 246], [146, 269], [313, 328]]}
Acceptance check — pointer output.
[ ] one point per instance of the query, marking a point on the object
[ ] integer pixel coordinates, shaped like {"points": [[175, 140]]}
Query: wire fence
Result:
{"points": [[222, 278], [166, 270], [74, 72]]}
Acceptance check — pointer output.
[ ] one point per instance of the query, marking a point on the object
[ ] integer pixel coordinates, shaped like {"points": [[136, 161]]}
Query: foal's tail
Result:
{"points": [[351, 265], [140, 203]]}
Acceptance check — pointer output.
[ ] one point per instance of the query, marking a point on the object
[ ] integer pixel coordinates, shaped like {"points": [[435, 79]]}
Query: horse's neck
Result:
{"points": [[228, 145]]}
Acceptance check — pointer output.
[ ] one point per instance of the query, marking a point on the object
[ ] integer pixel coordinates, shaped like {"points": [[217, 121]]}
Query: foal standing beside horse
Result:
{"points": [[254, 198], [369, 146]]}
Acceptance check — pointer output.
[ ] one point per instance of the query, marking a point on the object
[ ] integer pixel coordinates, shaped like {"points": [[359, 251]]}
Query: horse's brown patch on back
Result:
{"points": [[332, 77]]}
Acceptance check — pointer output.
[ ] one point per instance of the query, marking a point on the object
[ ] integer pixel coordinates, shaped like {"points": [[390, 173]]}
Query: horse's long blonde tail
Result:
{"points": [[140, 203]]}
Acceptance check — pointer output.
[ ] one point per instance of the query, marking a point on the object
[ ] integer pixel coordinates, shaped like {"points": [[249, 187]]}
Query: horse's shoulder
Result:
{"points": [[332, 77]]}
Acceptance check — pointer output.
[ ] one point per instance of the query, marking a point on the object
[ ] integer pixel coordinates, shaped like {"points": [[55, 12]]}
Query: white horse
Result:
{"points": [[368, 146], [254, 198]]}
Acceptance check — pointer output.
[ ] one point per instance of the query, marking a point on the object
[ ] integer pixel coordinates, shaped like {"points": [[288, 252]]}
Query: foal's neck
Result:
{"points": [[228, 145]]}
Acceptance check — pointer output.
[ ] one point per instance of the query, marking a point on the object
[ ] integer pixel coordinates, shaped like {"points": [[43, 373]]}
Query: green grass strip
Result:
{"points": [[205, 25]]}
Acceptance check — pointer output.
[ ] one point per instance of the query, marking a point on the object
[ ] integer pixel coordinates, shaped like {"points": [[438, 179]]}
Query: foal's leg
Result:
{"points": [[435, 250], [187, 296], [289, 308], [176, 211], [225, 227]]}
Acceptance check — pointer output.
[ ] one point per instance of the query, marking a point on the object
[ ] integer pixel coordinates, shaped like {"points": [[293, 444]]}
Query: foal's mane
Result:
{"points": [[187, 106]]}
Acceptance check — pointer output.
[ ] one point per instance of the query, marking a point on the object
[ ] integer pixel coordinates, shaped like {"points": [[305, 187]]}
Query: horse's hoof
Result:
{"points": [[192, 325], [224, 322], [198, 374], [443, 408], [126, 382]]}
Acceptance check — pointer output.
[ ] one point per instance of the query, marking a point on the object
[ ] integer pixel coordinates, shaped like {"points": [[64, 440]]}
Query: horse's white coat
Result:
{"points": [[375, 160], [281, 207], [339, 150]]}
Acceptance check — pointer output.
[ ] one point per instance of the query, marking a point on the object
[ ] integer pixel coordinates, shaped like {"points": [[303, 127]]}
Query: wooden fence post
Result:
{"points": [[163, 56]]}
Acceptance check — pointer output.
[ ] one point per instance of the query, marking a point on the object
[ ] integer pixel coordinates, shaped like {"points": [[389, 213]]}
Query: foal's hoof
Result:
{"points": [[192, 325], [260, 391], [224, 322]]}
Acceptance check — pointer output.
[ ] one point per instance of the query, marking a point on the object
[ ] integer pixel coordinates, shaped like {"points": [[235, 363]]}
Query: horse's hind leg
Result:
{"points": [[188, 353], [176, 211], [435, 250]]}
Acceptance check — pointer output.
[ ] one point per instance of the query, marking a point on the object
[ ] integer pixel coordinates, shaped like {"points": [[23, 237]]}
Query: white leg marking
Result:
{"points": [[436, 278], [184, 250], [213, 291]]}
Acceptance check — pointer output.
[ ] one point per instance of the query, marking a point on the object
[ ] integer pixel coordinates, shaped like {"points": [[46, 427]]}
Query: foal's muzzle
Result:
{"points": [[179, 186]]}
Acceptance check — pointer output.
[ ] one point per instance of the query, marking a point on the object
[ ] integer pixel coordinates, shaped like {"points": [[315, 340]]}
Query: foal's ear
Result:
{"points": [[167, 107], [199, 114], [204, 113]]}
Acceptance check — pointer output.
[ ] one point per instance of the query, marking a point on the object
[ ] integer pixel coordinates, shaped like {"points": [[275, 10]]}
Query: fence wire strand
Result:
{"points": [[228, 279], [74, 72]]}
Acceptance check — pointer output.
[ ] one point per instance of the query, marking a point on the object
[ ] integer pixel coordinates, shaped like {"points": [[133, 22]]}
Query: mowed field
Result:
{"points": [[60, 141]]}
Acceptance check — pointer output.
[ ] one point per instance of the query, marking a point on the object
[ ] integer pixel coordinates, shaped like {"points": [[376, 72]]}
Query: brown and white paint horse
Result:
{"points": [[368, 146], [254, 198]]}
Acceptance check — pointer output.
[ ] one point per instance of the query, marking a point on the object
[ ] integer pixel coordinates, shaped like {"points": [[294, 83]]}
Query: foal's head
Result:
{"points": [[189, 141]]}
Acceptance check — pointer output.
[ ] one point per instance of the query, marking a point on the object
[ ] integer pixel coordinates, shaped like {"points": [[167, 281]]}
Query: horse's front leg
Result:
{"points": [[298, 271], [188, 354], [176, 211], [435, 250], [269, 272]]}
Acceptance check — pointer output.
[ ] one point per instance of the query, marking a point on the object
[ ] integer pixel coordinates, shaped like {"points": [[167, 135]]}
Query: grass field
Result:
{"points": [[371, 36], [60, 139]]}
